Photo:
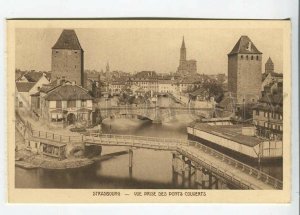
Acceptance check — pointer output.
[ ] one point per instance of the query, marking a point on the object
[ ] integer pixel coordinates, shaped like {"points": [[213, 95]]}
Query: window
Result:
{"points": [[251, 57], [56, 52], [246, 57], [58, 104], [83, 103], [242, 57], [256, 57], [257, 112], [71, 104]]}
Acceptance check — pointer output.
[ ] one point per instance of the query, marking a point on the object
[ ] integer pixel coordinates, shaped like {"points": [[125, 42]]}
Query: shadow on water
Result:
{"points": [[151, 169]]}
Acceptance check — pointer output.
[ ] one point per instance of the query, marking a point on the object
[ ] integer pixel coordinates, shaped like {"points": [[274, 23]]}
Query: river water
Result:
{"points": [[151, 169]]}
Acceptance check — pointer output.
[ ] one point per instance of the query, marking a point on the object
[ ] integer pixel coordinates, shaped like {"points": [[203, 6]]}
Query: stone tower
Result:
{"points": [[269, 66], [245, 71], [67, 58]]}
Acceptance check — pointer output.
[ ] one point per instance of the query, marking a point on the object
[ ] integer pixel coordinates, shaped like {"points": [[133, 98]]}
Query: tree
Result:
{"points": [[214, 89]]}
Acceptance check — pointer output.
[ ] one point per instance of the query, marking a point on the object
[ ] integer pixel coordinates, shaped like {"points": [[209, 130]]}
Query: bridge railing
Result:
{"points": [[56, 137], [152, 107], [169, 144], [276, 183], [210, 166], [130, 140]]}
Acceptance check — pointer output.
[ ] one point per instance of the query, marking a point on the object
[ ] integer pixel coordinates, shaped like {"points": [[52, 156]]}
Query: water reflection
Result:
{"points": [[151, 169]]}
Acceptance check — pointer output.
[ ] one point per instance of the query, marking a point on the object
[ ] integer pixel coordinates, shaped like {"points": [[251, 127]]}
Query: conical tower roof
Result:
{"points": [[244, 46], [269, 61], [67, 40]]}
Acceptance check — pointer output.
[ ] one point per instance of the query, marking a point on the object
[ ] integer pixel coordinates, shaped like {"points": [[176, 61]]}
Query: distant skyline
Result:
{"points": [[136, 49]]}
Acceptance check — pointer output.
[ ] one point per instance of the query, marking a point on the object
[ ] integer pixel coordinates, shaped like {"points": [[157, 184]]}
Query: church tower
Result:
{"points": [[245, 71], [186, 67], [269, 66], [67, 58], [107, 72], [182, 53]]}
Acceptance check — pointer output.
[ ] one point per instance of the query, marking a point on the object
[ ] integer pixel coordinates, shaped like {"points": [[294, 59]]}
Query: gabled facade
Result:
{"points": [[66, 104]]}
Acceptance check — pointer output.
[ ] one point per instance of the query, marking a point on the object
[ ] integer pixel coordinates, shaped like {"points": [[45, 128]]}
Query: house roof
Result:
{"points": [[24, 86], [228, 132], [244, 46], [34, 76], [68, 40], [146, 74], [68, 92], [273, 99]]}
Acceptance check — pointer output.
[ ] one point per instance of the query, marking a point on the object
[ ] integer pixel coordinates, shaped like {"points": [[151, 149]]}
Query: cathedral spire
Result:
{"points": [[183, 44], [182, 52]]}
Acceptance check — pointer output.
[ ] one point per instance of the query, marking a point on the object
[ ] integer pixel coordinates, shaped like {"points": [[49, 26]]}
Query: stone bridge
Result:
{"points": [[156, 114]]}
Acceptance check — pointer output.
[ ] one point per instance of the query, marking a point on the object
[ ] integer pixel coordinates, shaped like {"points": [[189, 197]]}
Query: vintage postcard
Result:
{"points": [[149, 111]]}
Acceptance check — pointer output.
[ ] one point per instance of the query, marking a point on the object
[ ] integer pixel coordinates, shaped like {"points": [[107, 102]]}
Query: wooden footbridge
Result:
{"points": [[196, 155]]}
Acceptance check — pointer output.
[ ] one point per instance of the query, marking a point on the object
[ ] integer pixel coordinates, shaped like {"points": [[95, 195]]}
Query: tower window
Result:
{"points": [[256, 57], [251, 57], [56, 51], [75, 52], [246, 57], [242, 57]]}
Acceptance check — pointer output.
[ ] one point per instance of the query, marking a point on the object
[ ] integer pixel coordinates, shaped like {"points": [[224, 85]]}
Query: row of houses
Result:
{"points": [[151, 81]]}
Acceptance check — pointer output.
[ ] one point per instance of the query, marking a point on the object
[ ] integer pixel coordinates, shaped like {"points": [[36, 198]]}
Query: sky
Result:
{"points": [[157, 49]]}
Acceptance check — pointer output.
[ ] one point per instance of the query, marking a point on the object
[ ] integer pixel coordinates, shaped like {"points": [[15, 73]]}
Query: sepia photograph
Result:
{"points": [[149, 110]]}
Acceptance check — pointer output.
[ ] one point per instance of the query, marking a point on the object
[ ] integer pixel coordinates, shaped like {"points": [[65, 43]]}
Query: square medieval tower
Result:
{"points": [[67, 58], [245, 71]]}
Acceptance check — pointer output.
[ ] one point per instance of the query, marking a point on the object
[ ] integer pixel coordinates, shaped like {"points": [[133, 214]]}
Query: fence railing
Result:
{"points": [[167, 144], [276, 183]]}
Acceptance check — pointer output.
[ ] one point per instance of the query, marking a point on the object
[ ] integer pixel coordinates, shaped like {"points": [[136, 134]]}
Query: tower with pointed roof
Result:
{"points": [[67, 58], [186, 66], [107, 72], [182, 52], [245, 71], [269, 66]]}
